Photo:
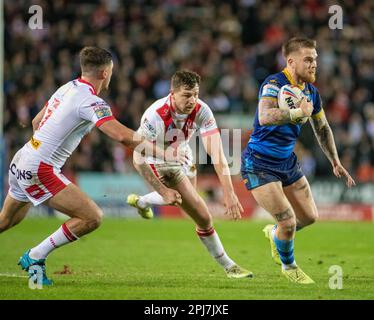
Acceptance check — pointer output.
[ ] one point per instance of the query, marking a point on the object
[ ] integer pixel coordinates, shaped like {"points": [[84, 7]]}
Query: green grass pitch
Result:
{"points": [[164, 259]]}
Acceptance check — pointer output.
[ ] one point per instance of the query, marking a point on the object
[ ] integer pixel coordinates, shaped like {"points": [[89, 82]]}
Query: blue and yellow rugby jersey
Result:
{"points": [[278, 141]]}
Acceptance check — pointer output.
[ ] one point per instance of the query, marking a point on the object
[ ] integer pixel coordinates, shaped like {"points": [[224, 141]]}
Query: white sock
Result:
{"points": [[60, 237], [293, 265], [151, 199], [211, 241]]}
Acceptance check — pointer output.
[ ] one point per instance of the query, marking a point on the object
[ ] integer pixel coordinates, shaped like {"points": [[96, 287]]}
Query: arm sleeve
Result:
{"points": [[207, 122], [317, 105], [269, 89], [149, 127], [96, 111]]}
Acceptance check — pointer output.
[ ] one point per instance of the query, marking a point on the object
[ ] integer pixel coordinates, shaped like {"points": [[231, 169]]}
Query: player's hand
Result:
{"points": [[306, 107], [173, 154], [339, 171], [171, 197], [233, 207]]}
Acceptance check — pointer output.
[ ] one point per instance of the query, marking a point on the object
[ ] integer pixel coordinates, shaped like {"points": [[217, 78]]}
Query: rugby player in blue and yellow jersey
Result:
{"points": [[269, 166]]}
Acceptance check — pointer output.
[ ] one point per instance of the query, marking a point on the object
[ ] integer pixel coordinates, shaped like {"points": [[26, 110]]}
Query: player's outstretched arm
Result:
{"points": [[269, 114], [115, 130], [171, 197], [118, 132], [326, 141], [213, 147]]}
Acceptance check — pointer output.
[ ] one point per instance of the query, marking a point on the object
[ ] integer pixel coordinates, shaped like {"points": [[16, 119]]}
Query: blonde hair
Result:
{"points": [[295, 44]]}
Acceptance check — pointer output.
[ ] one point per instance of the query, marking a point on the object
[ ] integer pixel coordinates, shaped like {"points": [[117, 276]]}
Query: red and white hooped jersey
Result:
{"points": [[72, 111], [160, 121]]}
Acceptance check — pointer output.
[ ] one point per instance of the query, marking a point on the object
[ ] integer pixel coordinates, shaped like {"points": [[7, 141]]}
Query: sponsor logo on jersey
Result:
{"points": [[20, 174], [270, 90], [149, 127], [102, 110], [209, 123], [99, 103], [149, 130], [35, 143]]}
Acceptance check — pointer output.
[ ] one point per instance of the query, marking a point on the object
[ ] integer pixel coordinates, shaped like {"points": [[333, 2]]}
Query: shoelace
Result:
{"points": [[235, 270], [300, 275]]}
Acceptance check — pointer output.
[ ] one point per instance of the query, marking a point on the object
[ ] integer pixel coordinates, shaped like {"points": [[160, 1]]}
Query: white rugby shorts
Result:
{"points": [[36, 182], [172, 173]]}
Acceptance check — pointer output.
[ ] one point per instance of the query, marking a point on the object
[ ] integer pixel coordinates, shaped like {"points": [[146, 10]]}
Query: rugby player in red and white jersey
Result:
{"points": [[34, 174], [172, 120]]}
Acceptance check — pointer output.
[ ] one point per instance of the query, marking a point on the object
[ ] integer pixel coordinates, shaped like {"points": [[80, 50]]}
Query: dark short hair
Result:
{"points": [[294, 44], [185, 78], [93, 58]]}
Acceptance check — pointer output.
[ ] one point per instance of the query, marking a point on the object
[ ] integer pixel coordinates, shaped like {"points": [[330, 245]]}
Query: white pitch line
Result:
{"points": [[12, 275]]}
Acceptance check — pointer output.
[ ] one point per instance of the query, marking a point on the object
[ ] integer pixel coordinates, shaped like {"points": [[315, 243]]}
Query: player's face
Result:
{"points": [[305, 64], [185, 99], [108, 75]]}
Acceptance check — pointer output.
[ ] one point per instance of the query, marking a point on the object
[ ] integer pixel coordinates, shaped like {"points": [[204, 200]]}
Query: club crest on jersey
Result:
{"points": [[102, 111]]}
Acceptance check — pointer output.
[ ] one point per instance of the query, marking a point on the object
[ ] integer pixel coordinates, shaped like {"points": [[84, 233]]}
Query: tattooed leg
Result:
{"points": [[286, 222]]}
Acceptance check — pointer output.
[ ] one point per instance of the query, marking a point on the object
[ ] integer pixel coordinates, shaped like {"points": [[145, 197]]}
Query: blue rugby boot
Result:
{"points": [[26, 262]]}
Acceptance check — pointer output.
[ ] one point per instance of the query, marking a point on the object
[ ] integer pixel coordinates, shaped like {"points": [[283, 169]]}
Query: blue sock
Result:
{"points": [[285, 250]]}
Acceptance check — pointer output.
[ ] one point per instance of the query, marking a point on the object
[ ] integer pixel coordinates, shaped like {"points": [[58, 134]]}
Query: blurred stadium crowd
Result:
{"points": [[232, 45]]}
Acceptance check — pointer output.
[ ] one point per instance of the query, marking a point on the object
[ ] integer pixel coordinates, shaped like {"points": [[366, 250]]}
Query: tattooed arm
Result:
{"points": [[325, 138], [269, 114]]}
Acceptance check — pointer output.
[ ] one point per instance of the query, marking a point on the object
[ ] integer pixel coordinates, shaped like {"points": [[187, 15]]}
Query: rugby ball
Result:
{"points": [[289, 97]]}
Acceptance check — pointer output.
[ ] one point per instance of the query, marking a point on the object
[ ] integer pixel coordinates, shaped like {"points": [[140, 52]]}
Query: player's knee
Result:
{"points": [[4, 224], [311, 219], [95, 219]]}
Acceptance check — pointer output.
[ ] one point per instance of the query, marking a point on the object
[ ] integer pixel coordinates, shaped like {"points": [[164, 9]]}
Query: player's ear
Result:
{"points": [[101, 74], [290, 61]]}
